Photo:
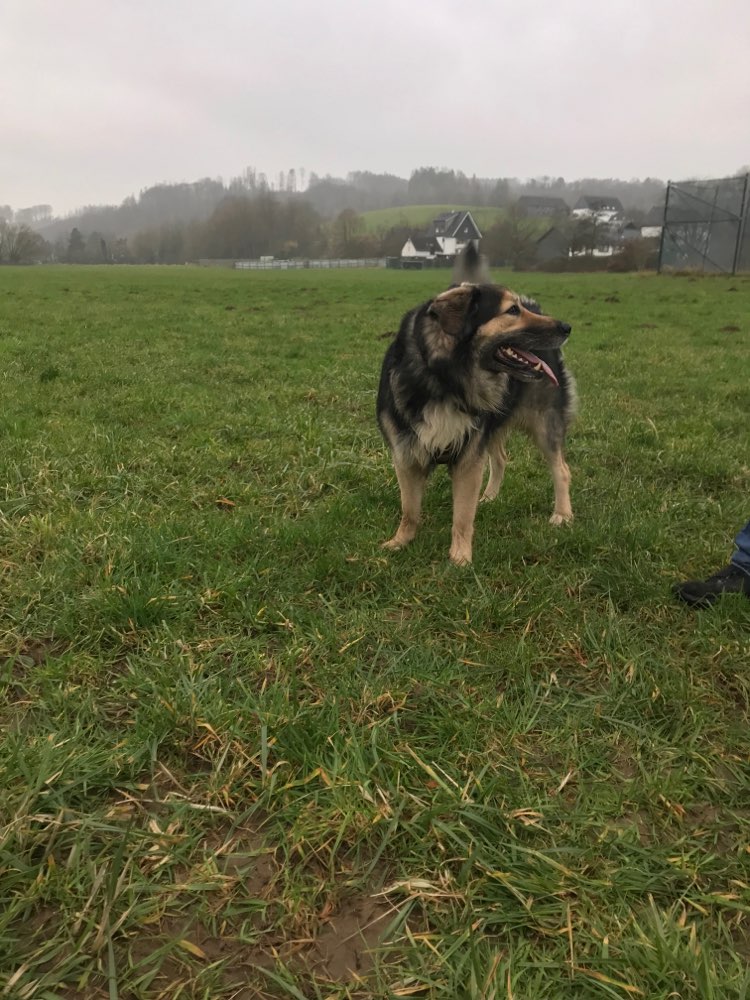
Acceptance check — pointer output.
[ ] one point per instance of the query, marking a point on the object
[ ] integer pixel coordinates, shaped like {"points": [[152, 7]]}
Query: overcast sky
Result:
{"points": [[100, 98]]}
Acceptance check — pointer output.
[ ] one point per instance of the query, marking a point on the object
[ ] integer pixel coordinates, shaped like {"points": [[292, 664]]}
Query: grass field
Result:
{"points": [[241, 744]]}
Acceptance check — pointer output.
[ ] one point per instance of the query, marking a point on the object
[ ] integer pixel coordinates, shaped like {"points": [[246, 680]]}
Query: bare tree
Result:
{"points": [[345, 228], [20, 244], [511, 240]]}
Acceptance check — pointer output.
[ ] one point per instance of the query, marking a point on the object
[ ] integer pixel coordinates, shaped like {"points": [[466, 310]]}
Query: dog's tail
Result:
{"points": [[471, 266]]}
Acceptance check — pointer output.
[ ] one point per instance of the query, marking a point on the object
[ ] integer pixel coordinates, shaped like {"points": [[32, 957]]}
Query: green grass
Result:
{"points": [[236, 734], [418, 216]]}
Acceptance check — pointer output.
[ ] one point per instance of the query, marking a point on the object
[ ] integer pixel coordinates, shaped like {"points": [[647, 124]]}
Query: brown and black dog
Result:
{"points": [[464, 369]]}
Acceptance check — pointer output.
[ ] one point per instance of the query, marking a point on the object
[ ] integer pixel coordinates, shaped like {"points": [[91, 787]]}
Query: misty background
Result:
{"points": [[250, 216], [177, 130]]}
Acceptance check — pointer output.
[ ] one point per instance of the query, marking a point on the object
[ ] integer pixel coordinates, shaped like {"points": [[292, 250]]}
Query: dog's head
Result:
{"points": [[502, 329]]}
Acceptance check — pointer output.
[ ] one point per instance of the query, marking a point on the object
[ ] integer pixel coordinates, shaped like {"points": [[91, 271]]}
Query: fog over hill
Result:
{"points": [[186, 202]]}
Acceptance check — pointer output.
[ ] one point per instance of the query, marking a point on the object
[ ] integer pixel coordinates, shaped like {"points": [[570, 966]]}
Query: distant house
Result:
{"points": [[654, 216], [551, 245], [606, 208], [652, 224], [542, 206], [446, 236], [630, 232], [421, 246]]}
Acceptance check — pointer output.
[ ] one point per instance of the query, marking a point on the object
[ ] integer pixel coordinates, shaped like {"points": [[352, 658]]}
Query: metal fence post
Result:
{"points": [[663, 226], [741, 228]]}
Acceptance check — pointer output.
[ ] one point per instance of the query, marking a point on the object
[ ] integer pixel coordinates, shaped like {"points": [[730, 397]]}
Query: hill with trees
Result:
{"points": [[364, 214]]}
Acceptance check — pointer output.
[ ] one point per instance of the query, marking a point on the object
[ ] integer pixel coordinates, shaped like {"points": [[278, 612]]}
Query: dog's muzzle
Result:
{"points": [[527, 366]]}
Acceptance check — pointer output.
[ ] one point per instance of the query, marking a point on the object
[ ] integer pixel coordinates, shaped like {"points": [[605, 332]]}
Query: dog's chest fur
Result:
{"points": [[444, 428]]}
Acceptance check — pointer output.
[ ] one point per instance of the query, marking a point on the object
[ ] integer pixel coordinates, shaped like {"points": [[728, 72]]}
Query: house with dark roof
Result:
{"points": [[446, 236], [551, 245], [542, 206], [421, 246], [606, 208], [630, 231], [654, 216]]}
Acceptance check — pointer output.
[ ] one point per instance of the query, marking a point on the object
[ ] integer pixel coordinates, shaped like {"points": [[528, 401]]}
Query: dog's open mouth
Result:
{"points": [[525, 364]]}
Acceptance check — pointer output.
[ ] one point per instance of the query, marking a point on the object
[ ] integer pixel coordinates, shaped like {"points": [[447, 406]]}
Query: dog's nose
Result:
{"points": [[564, 328]]}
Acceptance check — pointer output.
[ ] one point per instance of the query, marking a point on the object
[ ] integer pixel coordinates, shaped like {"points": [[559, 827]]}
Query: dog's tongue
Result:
{"points": [[533, 360]]}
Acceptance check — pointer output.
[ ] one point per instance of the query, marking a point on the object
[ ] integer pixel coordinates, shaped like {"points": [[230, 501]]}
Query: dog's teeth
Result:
{"points": [[538, 368]]}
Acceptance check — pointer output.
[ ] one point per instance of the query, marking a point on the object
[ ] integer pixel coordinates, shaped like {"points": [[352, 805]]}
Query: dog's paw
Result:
{"points": [[487, 497], [558, 519], [460, 557], [393, 545]]}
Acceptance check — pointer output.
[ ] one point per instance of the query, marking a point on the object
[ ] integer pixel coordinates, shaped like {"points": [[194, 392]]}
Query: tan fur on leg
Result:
{"points": [[498, 461], [411, 482], [563, 512], [553, 455], [467, 482]]}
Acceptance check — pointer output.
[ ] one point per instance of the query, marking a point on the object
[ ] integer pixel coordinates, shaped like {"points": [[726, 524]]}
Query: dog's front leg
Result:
{"points": [[411, 482], [467, 482], [563, 512], [498, 461]]}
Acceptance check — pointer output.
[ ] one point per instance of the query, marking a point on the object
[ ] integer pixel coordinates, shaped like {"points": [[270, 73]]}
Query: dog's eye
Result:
{"points": [[513, 311]]}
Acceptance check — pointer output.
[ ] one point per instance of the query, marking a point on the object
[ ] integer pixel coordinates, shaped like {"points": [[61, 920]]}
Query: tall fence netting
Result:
{"points": [[706, 226]]}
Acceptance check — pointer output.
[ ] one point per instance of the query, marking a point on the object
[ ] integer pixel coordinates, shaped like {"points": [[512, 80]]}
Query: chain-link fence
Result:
{"points": [[706, 225]]}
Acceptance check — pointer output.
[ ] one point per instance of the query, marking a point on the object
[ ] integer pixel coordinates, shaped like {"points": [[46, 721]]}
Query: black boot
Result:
{"points": [[702, 593]]}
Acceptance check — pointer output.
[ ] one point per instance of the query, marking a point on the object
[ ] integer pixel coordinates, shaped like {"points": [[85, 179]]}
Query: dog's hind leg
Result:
{"points": [[412, 479], [467, 482], [498, 460], [549, 435]]}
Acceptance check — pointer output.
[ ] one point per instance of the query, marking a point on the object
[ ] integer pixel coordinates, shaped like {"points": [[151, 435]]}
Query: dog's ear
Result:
{"points": [[456, 310]]}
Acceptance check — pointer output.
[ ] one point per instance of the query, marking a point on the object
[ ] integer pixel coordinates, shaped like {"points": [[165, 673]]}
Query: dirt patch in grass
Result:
{"points": [[182, 944], [241, 853], [348, 939], [232, 869], [724, 829], [33, 653], [17, 670], [344, 949], [196, 930], [636, 820], [740, 931], [624, 763]]}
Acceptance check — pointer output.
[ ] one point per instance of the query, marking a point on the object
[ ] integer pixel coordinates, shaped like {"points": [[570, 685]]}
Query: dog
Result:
{"points": [[464, 369]]}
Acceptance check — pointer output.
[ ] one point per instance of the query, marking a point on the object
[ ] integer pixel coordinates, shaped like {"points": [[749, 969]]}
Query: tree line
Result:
{"points": [[248, 227], [250, 216], [238, 228]]}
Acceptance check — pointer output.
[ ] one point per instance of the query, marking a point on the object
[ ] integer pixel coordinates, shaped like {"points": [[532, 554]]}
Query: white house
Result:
{"points": [[606, 209], [422, 247], [652, 224], [446, 236]]}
